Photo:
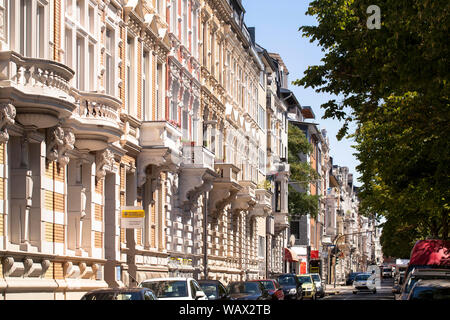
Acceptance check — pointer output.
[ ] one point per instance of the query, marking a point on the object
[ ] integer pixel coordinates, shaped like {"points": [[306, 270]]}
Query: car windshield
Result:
{"points": [[304, 279], [362, 277], [209, 289], [430, 293], [112, 296], [316, 277], [286, 281], [244, 287], [167, 288], [268, 285], [387, 269]]}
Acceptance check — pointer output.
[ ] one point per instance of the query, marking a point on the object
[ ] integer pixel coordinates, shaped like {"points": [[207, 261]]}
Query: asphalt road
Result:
{"points": [[384, 292]]}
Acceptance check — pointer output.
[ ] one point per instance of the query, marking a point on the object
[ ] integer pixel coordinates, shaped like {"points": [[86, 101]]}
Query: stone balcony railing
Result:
{"points": [[38, 88], [95, 120], [197, 157]]}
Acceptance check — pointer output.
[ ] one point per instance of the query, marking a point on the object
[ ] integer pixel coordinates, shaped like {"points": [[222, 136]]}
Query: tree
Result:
{"points": [[394, 83], [301, 175]]}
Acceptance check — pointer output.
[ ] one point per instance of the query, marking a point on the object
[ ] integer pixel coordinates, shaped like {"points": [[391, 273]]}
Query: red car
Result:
{"points": [[273, 287]]}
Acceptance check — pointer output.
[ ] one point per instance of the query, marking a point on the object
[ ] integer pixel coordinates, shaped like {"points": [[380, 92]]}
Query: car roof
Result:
{"points": [[118, 290], [168, 279], [209, 281], [433, 283], [428, 271]]}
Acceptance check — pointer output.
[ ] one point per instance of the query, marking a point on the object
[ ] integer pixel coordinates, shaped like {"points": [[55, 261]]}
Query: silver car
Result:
{"points": [[401, 293]]}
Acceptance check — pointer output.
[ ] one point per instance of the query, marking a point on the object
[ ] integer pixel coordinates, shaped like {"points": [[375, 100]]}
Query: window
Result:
{"points": [[109, 70], [145, 84], [25, 28], [277, 196], [174, 104], [92, 67], [80, 64], [262, 118], [159, 102], [194, 33], [262, 160], [261, 246], [173, 24], [129, 74], [185, 22], [91, 14]]}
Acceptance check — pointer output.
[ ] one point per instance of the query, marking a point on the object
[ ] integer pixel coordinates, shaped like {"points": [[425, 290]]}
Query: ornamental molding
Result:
{"points": [[104, 160], [59, 142], [7, 116]]}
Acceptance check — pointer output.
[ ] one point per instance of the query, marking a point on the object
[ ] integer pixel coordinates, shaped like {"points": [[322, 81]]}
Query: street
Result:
{"points": [[384, 292]]}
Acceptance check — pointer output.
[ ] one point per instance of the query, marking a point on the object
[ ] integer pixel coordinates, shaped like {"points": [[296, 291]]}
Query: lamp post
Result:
{"points": [[334, 255]]}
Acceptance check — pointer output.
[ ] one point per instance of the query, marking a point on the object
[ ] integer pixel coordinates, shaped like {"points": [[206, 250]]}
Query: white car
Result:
{"points": [[364, 282], [175, 288]]}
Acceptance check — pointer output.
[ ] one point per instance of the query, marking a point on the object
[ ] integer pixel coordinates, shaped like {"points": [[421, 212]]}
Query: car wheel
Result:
{"points": [[374, 291], [354, 292]]}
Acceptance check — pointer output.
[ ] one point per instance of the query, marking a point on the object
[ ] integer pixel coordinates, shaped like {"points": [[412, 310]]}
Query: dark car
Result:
{"points": [[350, 278], [120, 294], [430, 290], [274, 288], [214, 289], [292, 287], [248, 290]]}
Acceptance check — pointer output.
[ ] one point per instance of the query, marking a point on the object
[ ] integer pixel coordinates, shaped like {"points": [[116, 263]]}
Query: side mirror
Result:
{"points": [[199, 294]]}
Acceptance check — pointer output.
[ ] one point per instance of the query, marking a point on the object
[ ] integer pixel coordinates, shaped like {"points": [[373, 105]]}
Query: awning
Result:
{"points": [[314, 254], [290, 255]]}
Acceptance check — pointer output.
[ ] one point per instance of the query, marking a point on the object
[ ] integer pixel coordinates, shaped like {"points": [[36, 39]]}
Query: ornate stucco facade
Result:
{"points": [[160, 104]]}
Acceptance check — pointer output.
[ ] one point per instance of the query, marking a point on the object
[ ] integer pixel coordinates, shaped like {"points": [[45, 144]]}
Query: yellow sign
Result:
{"points": [[133, 213]]}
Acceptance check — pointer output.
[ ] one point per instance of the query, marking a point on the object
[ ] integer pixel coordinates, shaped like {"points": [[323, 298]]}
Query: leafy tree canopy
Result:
{"points": [[395, 83]]}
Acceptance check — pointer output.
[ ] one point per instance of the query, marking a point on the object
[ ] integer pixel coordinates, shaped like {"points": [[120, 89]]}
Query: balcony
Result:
{"points": [[246, 197], [161, 147], [38, 88], [225, 188], [281, 221], [263, 206], [197, 175], [95, 120]]}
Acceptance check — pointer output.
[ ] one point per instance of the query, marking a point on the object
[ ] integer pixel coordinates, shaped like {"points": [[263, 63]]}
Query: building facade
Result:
{"points": [[157, 104]]}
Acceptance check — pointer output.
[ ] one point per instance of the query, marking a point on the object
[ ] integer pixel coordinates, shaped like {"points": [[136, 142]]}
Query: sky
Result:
{"points": [[277, 23]]}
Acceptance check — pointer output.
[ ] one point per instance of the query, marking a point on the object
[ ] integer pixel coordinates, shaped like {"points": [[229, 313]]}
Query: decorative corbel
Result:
{"points": [[7, 116], [103, 159]]}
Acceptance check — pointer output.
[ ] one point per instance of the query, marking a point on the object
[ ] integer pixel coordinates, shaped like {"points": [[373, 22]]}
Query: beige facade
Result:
{"points": [[158, 104]]}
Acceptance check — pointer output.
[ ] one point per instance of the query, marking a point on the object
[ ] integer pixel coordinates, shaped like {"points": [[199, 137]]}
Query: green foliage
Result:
{"points": [[394, 83], [301, 174]]}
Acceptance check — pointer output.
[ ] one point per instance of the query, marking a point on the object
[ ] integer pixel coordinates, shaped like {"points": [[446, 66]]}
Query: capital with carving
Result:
{"points": [[103, 159]]}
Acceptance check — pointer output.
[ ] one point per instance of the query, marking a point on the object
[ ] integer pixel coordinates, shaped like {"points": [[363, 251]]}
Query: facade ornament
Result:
{"points": [[58, 143], [103, 159], [7, 115]]}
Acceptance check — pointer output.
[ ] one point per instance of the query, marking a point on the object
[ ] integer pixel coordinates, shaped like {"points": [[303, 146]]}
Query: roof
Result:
{"points": [[277, 57], [308, 113]]}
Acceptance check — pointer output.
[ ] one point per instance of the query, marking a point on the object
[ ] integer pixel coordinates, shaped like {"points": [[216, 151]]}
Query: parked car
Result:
{"points": [[248, 290], [308, 286], [351, 276], [292, 287], [120, 294], [274, 288], [387, 272], [364, 282], [430, 290], [320, 286], [214, 289], [401, 293], [175, 288]]}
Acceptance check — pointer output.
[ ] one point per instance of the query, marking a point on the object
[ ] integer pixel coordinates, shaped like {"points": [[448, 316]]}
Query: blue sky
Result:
{"points": [[277, 23]]}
